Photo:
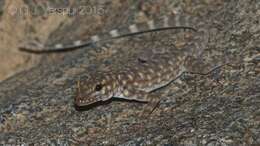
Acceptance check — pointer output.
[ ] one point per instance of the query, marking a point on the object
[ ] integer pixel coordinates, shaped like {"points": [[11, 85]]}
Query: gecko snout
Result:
{"points": [[83, 98]]}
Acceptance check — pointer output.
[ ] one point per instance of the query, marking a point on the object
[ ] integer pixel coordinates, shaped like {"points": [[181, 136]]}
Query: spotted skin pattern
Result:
{"points": [[135, 82]]}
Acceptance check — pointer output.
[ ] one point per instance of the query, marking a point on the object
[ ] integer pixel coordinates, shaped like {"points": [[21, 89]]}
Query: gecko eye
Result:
{"points": [[98, 87]]}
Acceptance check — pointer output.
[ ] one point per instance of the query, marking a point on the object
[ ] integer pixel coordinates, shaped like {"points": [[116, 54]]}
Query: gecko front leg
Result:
{"points": [[141, 96]]}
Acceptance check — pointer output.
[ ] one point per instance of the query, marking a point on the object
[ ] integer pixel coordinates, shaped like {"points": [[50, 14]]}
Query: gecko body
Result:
{"points": [[134, 82]]}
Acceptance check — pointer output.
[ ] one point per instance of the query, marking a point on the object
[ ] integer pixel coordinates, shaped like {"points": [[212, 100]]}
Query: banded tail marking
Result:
{"points": [[165, 23]]}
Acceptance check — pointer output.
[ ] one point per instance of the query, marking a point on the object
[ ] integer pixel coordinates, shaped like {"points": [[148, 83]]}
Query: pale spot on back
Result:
{"points": [[126, 93], [114, 33], [107, 78], [170, 62], [103, 91], [151, 70], [159, 80], [151, 24], [119, 77], [130, 77], [168, 76], [149, 77], [108, 87], [161, 67], [103, 81], [58, 46], [136, 84], [133, 28], [124, 82], [114, 85], [95, 38], [77, 43], [141, 75]]}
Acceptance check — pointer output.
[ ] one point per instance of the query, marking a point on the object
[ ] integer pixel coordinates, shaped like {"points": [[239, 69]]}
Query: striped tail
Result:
{"points": [[164, 23]]}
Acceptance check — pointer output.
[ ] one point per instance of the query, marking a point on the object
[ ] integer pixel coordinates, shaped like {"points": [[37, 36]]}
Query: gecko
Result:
{"points": [[137, 82], [134, 82]]}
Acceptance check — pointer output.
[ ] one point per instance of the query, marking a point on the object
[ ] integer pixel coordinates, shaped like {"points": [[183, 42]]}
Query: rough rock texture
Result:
{"points": [[219, 108]]}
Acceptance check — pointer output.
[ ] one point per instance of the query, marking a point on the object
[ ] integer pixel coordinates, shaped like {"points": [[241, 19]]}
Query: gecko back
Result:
{"points": [[135, 81]]}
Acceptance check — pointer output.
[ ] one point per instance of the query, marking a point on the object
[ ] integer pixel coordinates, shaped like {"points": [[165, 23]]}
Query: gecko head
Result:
{"points": [[92, 89]]}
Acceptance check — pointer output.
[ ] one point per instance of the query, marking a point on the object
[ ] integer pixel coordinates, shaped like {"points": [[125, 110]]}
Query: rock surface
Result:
{"points": [[220, 108]]}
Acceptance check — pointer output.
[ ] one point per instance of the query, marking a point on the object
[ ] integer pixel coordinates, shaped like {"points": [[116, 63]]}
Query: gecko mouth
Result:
{"points": [[85, 100]]}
